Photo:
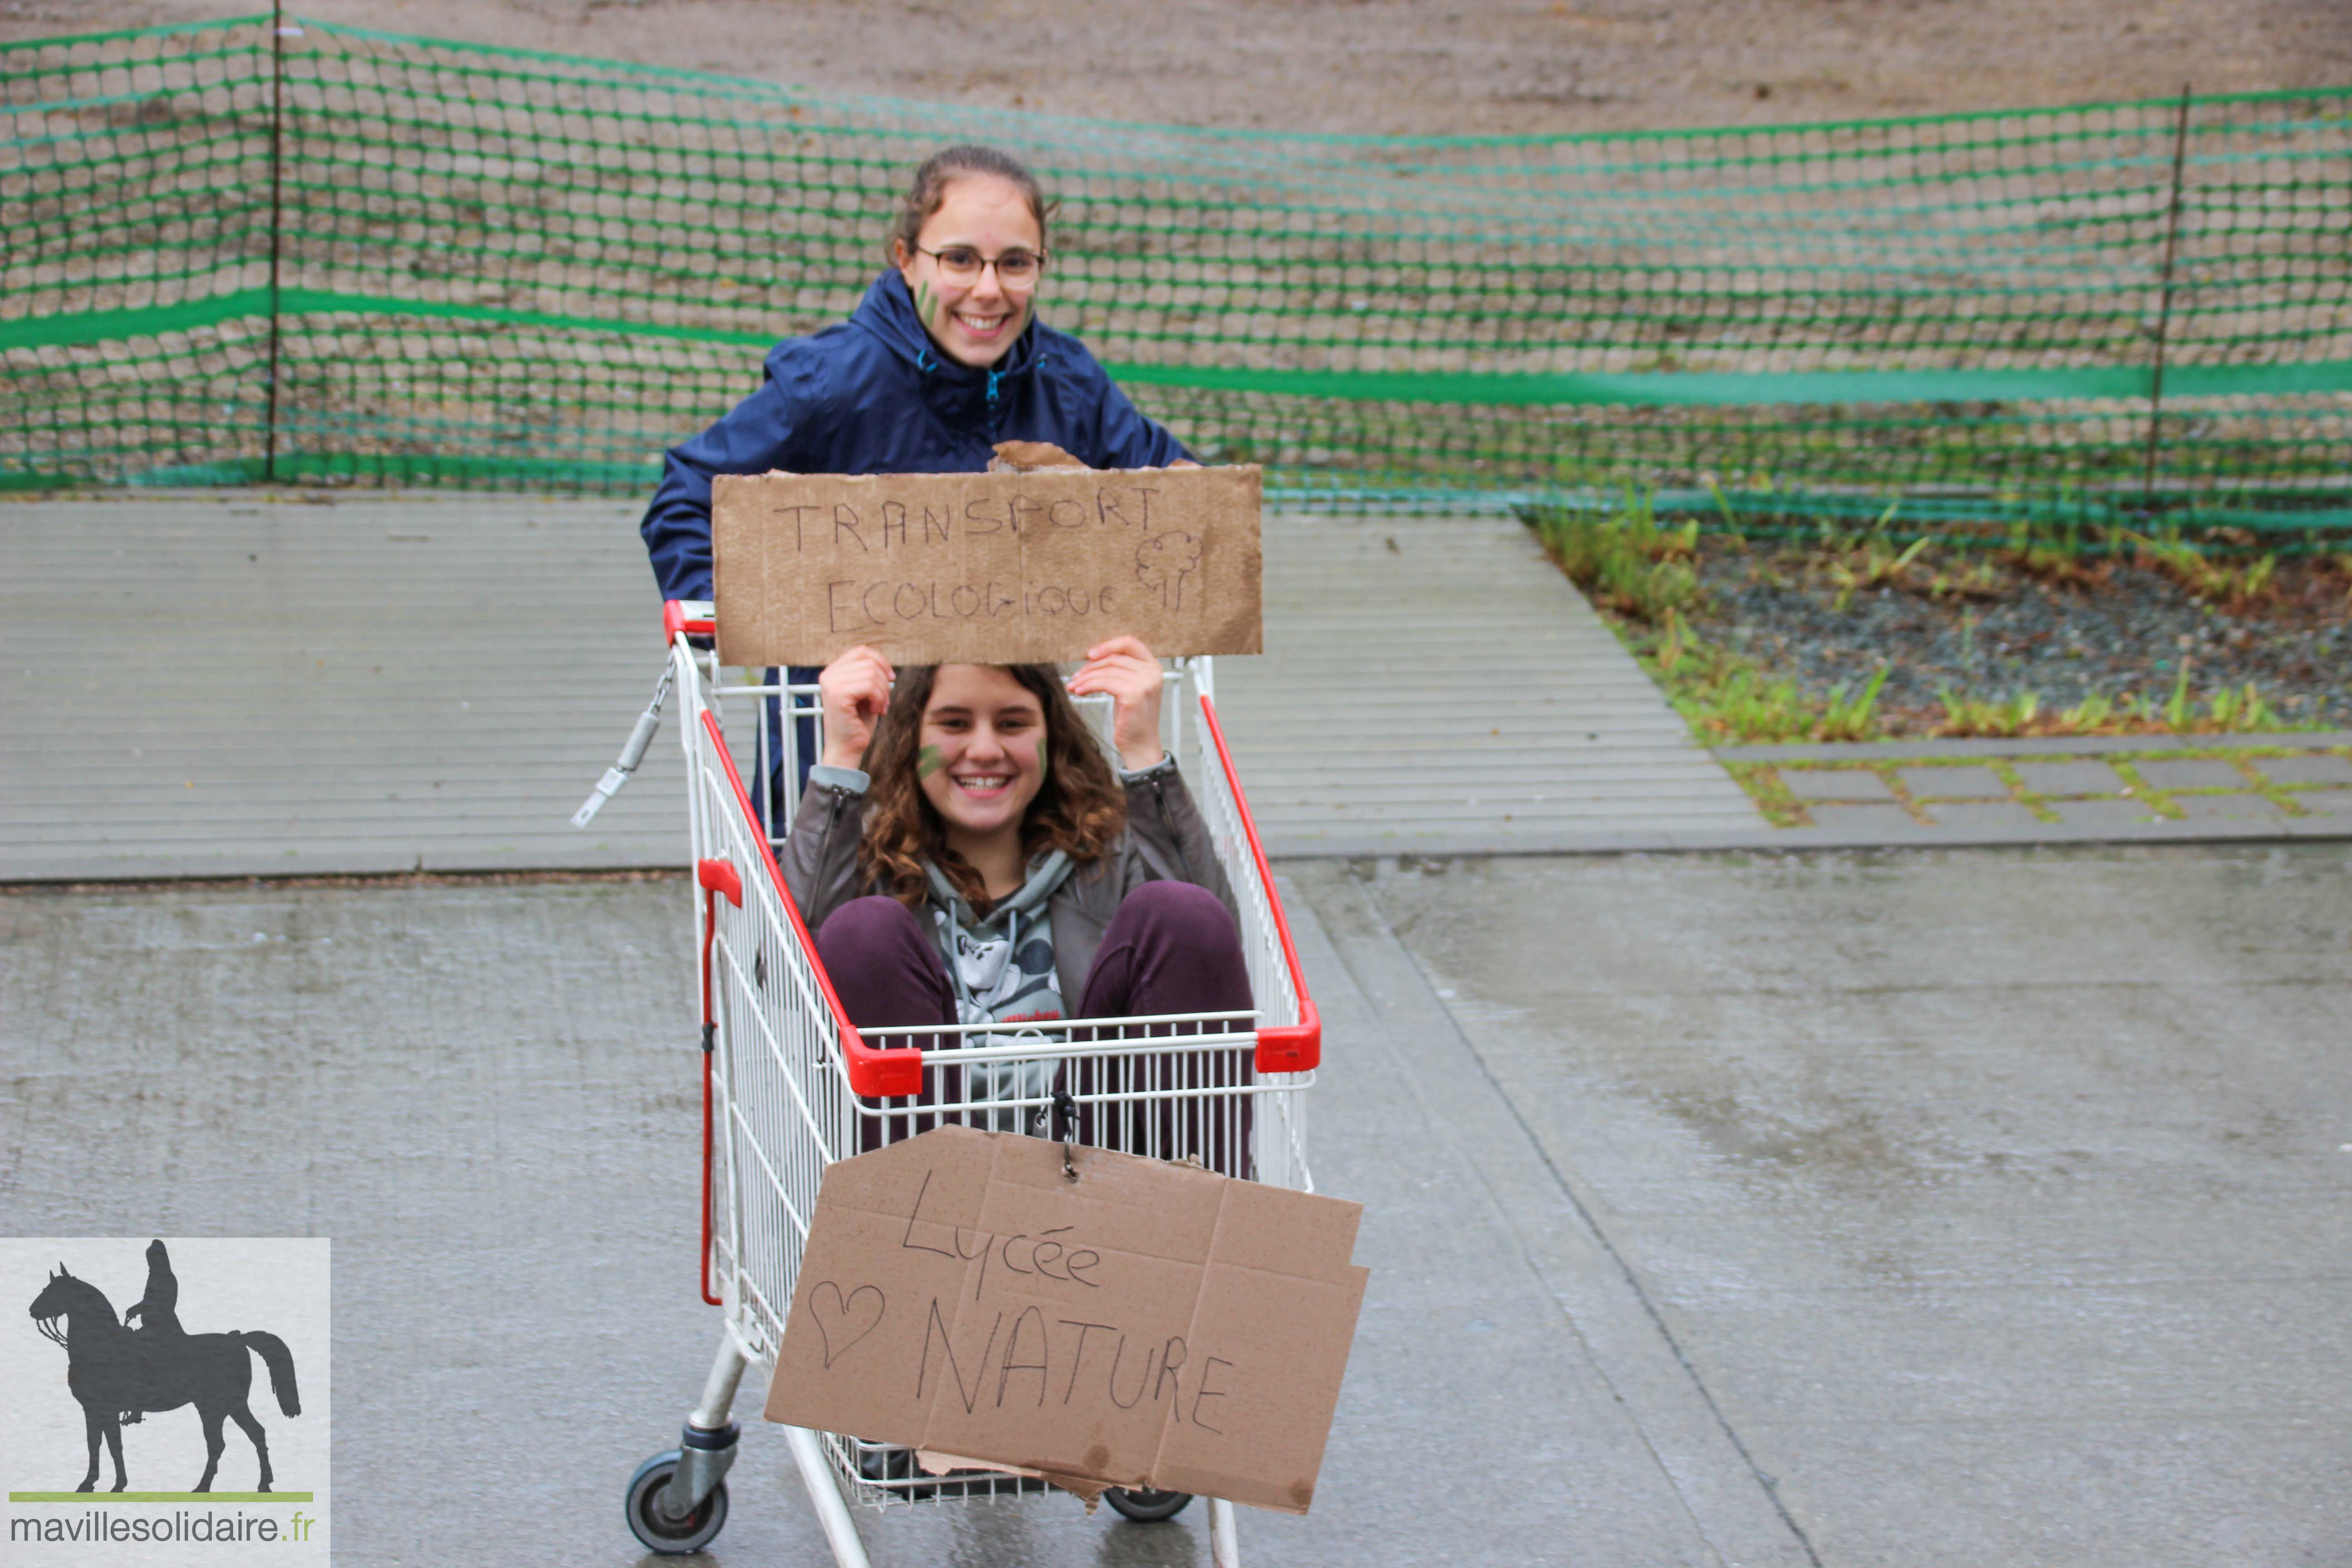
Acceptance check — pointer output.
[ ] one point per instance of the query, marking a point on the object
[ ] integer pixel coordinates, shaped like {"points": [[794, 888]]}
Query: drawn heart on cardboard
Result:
{"points": [[844, 1322]]}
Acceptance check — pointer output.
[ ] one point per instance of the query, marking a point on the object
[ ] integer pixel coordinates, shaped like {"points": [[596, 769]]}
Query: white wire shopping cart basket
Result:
{"points": [[790, 1086]]}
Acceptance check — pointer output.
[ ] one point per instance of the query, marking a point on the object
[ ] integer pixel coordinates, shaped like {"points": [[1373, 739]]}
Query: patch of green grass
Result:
{"points": [[2224, 709], [2053, 554], [1642, 575], [2216, 581], [1875, 565], [1728, 699], [1762, 783], [1623, 560]]}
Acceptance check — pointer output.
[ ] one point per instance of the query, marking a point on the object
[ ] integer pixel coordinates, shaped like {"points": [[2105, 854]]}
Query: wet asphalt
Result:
{"points": [[1939, 1207]]}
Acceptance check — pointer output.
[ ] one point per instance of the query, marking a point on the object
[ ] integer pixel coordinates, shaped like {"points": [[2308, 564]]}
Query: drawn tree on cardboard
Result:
{"points": [[1163, 561]]}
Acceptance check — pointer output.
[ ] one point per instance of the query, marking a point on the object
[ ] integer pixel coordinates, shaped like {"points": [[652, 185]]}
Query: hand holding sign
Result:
{"points": [[855, 691], [1127, 673]]}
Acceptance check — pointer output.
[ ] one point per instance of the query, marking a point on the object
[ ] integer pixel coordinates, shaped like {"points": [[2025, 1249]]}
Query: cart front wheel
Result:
{"points": [[672, 1538], [1146, 1506]]}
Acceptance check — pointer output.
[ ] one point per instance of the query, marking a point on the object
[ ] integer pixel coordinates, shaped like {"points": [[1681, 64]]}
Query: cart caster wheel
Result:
{"points": [[1145, 1506], [672, 1538]]}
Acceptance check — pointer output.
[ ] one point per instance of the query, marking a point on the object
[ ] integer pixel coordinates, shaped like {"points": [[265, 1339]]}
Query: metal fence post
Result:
{"points": [[276, 226], [2164, 307]]}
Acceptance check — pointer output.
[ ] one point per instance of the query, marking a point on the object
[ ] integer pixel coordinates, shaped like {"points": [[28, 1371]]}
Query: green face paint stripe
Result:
{"points": [[923, 302], [927, 761]]}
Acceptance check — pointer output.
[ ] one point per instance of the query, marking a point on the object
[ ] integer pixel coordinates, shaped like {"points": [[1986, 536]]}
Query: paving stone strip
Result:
{"points": [[2030, 746], [2069, 778], [2142, 793]]}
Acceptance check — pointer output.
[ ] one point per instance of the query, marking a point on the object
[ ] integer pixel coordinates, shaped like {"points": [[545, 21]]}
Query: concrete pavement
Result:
{"points": [[288, 683], [246, 682], [241, 683], [1998, 1199], [1945, 1207]]}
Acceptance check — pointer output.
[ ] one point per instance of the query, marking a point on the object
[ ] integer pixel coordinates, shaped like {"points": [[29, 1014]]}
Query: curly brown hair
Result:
{"points": [[1079, 805]]}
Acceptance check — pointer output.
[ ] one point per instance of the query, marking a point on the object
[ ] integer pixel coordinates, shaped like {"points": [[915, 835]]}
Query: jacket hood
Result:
{"points": [[1047, 875], [888, 312]]}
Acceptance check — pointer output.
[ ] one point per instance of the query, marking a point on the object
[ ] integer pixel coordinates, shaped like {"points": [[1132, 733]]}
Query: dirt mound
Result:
{"points": [[1525, 67]]}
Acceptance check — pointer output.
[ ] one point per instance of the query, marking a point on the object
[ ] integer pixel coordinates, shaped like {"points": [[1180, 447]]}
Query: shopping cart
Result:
{"points": [[789, 1086]]}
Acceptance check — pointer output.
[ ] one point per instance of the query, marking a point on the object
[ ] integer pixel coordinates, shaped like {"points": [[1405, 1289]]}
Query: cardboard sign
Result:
{"points": [[1147, 1324], [996, 568]]}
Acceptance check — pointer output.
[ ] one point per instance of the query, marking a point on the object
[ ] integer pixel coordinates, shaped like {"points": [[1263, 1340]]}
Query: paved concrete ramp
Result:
{"points": [[1435, 686], [237, 685]]}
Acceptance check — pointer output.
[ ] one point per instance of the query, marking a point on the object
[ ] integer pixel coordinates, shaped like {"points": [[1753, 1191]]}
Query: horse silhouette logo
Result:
{"points": [[120, 1374]]}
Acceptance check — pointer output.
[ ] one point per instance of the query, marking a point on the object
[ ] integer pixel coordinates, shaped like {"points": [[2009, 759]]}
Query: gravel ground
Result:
{"points": [[2125, 633], [1487, 66]]}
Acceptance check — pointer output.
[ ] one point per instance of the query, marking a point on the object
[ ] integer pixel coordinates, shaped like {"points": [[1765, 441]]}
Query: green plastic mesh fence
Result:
{"points": [[234, 252]]}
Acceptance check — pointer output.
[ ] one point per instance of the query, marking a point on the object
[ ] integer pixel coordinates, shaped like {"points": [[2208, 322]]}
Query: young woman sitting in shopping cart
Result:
{"points": [[966, 854]]}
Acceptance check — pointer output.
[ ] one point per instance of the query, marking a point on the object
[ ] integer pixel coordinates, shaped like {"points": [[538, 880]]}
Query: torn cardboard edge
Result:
{"points": [[937, 1464], [1148, 1325], [1028, 565], [1029, 456]]}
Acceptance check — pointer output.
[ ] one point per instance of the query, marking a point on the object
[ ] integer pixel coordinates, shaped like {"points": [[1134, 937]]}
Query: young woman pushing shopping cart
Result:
{"points": [[944, 358]]}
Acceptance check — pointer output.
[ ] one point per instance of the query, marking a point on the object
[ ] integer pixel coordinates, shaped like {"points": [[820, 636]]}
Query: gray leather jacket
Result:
{"points": [[1164, 840]]}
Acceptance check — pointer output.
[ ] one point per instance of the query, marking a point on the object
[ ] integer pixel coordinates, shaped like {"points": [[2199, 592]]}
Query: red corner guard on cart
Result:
{"points": [[675, 620], [1290, 1047], [873, 1073]]}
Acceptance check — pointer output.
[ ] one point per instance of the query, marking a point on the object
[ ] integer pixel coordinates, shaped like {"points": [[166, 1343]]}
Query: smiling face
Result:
{"points": [[974, 323], [979, 753]]}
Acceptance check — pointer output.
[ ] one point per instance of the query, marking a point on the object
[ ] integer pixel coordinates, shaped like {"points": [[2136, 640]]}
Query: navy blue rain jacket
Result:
{"points": [[874, 396]]}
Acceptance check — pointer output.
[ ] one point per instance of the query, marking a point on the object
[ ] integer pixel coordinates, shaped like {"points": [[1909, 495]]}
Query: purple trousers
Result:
{"points": [[1171, 948]]}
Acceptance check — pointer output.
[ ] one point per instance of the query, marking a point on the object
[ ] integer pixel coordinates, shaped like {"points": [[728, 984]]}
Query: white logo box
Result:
{"points": [[274, 1286]]}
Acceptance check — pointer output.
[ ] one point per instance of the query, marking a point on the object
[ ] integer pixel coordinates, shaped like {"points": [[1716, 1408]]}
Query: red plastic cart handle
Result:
{"points": [[873, 1073]]}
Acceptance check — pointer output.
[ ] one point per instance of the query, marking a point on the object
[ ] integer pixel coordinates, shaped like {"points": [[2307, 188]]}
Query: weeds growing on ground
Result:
{"points": [[1770, 793], [1980, 582], [1729, 700], [1644, 577], [2224, 708], [2216, 581], [2242, 710], [1624, 559], [1876, 564], [1988, 716], [2052, 553], [1845, 719]]}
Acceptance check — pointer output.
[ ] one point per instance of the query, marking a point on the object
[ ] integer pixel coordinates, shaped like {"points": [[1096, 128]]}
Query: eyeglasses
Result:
{"points": [[962, 264]]}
